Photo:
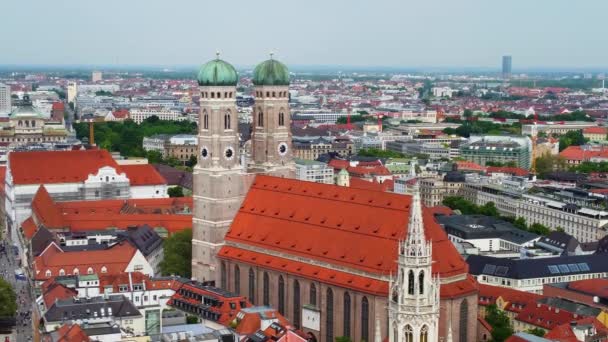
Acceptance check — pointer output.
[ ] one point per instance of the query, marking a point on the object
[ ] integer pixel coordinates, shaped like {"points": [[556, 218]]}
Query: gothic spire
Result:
{"points": [[415, 231]]}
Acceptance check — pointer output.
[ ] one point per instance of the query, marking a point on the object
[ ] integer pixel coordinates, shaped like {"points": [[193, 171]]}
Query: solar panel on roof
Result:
{"points": [[563, 268], [573, 268], [584, 267], [501, 271], [489, 269], [553, 269]]}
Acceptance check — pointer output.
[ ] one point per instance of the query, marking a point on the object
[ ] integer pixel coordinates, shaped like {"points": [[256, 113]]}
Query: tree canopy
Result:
{"points": [[127, 137], [178, 254], [8, 299], [374, 152], [572, 138], [500, 323]]}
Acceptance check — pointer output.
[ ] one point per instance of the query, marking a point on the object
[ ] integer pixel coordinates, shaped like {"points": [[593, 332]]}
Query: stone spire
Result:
{"points": [[449, 337], [415, 231]]}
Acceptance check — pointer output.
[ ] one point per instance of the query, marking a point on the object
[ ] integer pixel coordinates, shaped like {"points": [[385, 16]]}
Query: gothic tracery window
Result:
{"points": [[313, 294], [251, 285], [296, 303], [364, 319], [329, 316], [281, 295], [424, 333], [223, 274], [260, 119], [409, 333], [421, 282], [237, 279], [410, 282], [464, 321], [205, 120], [281, 119], [346, 311], [266, 290]]}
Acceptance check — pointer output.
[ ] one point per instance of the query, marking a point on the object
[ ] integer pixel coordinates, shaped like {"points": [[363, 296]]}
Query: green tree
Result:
{"points": [[537, 331], [488, 209], [500, 323], [353, 118], [520, 223], [539, 229], [374, 152], [178, 254], [8, 299], [572, 138], [154, 157], [103, 93], [192, 161], [176, 191]]}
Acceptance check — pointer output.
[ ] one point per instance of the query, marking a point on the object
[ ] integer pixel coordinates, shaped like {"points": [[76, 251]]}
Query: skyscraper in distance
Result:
{"points": [[5, 100], [506, 67]]}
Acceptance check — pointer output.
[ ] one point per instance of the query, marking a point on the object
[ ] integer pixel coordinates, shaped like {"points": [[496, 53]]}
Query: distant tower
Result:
{"points": [[5, 100], [506, 67], [72, 91], [413, 309], [271, 136], [219, 180], [96, 76], [343, 178]]}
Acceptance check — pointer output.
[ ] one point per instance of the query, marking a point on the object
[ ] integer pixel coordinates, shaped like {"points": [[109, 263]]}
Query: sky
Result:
{"points": [[392, 33]]}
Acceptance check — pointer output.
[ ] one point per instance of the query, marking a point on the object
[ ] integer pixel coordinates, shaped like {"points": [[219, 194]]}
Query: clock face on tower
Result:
{"points": [[204, 152], [229, 153], [282, 148]]}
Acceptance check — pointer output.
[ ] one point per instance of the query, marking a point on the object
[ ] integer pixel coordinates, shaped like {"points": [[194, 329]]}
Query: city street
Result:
{"points": [[8, 264]]}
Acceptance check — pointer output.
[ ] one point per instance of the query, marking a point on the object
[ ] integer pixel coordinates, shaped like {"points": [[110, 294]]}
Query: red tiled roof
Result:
{"points": [[59, 166], [544, 316], [56, 291], [516, 300], [592, 287], [304, 219], [470, 166], [564, 333], [144, 174], [595, 130], [71, 333], [577, 153], [115, 259], [484, 323], [121, 114], [29, 228], [515, 171], [45, 211], [252, 321], [359, 183]]}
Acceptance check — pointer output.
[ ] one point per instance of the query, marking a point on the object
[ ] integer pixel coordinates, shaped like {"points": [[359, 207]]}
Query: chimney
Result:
{"points": [[572, 323]]}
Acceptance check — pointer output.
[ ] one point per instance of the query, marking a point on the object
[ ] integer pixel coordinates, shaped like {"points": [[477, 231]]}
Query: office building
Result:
{"points": [[506, 67], [502, 149], [5, 100], [314, 171]]}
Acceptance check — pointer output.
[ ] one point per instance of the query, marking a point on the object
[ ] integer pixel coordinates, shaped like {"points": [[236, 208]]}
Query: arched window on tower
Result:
{"points": [[410, 282], [464, 321], [421, 282], [281, 295], [281, 119], [313, 294], [409, 333], [227, 120], [296, 303], [329, 316], [266, 290], [205, 120], [424, 333], [237, 279], [260, 119], [364, 319], [223, 274], [212, 95], [346, 314], [251, 285]]}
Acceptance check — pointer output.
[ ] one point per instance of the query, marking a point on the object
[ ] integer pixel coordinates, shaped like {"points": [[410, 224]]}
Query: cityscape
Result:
{"points": [[342, 187]]}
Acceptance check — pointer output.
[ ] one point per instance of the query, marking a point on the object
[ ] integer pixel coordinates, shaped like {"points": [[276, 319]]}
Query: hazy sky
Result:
{"points": [[403, 33]]}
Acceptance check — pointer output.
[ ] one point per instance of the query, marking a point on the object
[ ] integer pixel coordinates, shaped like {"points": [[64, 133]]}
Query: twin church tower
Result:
{"points": [[221, 180]]}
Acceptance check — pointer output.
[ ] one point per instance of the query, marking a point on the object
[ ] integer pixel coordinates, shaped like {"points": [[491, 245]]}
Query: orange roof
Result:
{"points": [[577, 153], [57, 166], [516, 171], [595, 130], [144, 174], [305, 219], [592, 287], [564, 333], [45, 210], [71, 333], [359, 183], [115, 259], [251, 320], [516, 300], [470, 166], [29, 228], [56, 291], [544, 316]]}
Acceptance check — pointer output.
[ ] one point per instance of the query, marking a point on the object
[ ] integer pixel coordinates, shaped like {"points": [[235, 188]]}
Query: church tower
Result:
{"points": [[271, 135], [413, 310], [219, 179]]}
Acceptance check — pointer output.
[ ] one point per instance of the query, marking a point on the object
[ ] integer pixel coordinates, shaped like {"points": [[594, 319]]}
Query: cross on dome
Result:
{"points": [[217, 54], [271, 54]]}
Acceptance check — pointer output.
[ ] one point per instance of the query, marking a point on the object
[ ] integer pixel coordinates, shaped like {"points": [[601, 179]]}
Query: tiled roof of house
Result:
{"points": [[545, 316], [115, 260], [144, 174], [595, 130], [515, 171], [70, 333]]}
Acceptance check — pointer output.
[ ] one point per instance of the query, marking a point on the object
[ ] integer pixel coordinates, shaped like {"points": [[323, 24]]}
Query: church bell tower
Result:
{"points": [[219, 180], [271, 135], [413, 310]]}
